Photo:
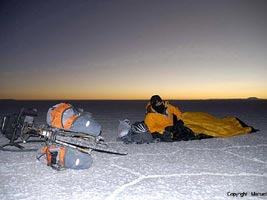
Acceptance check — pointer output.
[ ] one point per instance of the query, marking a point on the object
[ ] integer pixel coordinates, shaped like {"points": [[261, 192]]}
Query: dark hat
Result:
{"points": [[155, 98]]}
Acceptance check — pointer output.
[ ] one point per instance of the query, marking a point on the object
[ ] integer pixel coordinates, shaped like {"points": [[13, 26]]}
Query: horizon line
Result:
{"points": [[249, 98]]}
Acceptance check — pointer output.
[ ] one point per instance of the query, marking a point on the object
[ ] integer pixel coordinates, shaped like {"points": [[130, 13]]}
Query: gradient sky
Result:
{"points": [[132, 49]]}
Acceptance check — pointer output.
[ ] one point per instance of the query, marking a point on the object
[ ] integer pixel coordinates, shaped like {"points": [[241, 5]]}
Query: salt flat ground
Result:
{"points": [[207, 169]]}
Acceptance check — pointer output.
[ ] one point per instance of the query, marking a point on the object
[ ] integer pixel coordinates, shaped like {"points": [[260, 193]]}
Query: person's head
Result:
{"points": [[157, 103]]}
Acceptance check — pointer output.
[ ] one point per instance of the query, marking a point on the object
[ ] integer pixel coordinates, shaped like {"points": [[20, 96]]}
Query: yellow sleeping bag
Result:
{"points": [[205, 123]]}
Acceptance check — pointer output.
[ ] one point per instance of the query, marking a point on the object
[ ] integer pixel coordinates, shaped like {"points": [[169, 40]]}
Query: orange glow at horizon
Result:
{"points": [[221, 91]]}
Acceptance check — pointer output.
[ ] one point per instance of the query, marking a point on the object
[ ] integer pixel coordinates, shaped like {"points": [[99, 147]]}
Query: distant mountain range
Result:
{"points": [[253, 98]]}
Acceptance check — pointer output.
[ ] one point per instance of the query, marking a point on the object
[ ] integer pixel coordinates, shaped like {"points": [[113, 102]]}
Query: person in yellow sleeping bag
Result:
{"points": [[168, 123]]}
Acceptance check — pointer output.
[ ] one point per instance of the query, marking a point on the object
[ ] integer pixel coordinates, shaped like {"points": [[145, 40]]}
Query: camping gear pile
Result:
{"points": [[136, 133], [68, 138]]}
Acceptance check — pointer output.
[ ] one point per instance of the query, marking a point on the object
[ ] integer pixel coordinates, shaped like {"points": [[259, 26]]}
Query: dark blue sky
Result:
{"points": [[85, 49]]}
